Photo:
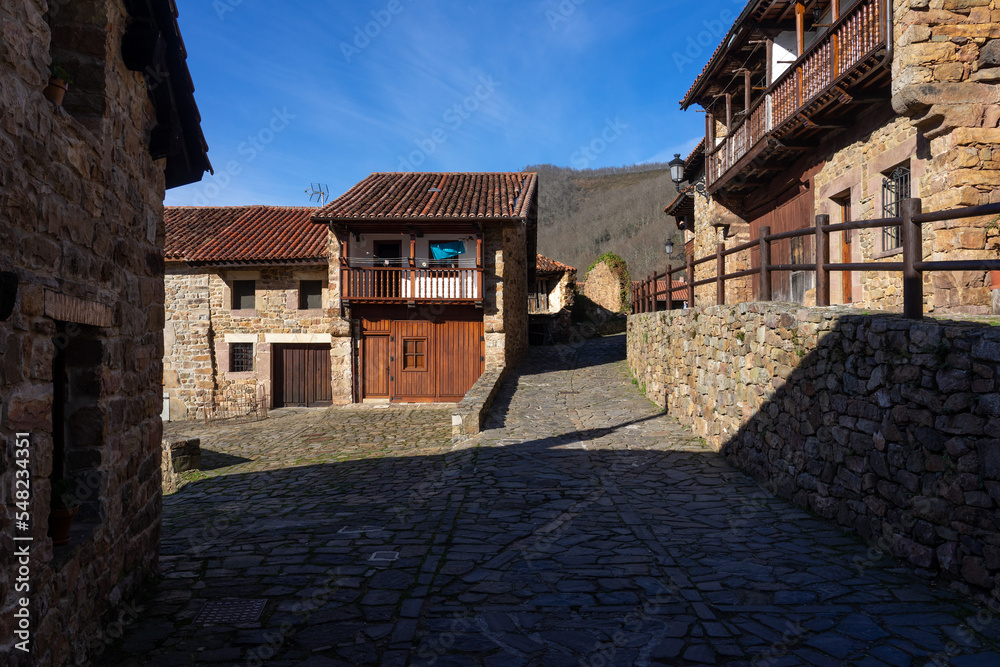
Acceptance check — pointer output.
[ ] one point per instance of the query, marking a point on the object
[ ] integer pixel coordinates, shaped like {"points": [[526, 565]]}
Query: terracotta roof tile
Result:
{"points": [[678, 289], [243, 234], [545, 265], [435, 196]]}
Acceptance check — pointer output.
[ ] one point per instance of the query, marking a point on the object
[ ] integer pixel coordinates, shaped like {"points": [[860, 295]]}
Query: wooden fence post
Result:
{"points": [[670, 288], [690, 279], [913, 252], [765, 264], [720, 272], [822, 257]]}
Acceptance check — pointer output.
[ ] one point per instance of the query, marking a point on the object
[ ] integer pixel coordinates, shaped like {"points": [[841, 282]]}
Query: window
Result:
{"points": [[414, 354], [895, 188], [244, 292], [240, 357], [310, 294]]}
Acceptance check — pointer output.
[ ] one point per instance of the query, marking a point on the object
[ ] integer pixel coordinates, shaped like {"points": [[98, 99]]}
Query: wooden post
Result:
{"points": [[729, 114], [765, 264], [709, 132], [747, 91], [479, 265], [720, 271], [670, 288], [834, 10], [800, 44], [822, 257], [690, 279], [652, 292], [913, 280]]}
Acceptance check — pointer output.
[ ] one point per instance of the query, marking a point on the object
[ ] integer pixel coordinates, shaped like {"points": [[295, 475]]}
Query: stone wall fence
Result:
{"points": [[889, 426]]}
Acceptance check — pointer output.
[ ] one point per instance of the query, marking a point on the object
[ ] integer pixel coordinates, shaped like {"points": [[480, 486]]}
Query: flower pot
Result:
{"points": [[995, 279], [60, 521], [55, 91]]}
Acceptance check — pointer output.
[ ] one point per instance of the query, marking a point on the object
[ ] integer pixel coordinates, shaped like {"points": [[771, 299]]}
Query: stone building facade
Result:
{"points": [[290, 306], [910, 111], [81, 311], [211, 250]]}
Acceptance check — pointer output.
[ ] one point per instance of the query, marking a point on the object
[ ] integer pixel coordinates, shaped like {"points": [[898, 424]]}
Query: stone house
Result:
{"points": [[81, 310], [406, 288], [554, 287], [432, 274], [550, 301], [846, 109], [247, 305]]}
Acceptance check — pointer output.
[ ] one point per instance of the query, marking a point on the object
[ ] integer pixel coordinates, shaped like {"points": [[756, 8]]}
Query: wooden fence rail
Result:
{"points": [[646, 295]]}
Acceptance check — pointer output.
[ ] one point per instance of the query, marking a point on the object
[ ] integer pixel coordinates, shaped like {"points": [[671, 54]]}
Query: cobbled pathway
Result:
{"points": [[584, 527]]}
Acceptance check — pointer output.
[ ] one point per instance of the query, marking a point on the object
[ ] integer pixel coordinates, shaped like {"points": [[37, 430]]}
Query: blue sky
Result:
{"points": [[297, 92]]}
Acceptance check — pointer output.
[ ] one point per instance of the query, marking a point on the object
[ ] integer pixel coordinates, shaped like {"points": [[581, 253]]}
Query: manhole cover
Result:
{"points": [[384, 556], [230, 612]]}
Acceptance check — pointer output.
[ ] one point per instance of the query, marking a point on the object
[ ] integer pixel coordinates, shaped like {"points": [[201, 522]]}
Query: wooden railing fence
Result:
{"points": [[646, 295]]}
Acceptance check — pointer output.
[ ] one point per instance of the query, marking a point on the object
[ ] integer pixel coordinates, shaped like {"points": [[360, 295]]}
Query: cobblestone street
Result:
{"points": [[583, 527]]}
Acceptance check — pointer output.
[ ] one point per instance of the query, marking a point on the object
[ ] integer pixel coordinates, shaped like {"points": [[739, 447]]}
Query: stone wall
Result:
{"points": [[886, 425], [82, 231], [604, 288], [945, 75], [201, 325]]}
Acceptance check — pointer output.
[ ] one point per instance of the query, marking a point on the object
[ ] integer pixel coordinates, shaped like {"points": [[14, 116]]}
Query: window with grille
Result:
{"points": [[240, 357], [310, 294], [244, 292], [895, 188], [414, 354]]}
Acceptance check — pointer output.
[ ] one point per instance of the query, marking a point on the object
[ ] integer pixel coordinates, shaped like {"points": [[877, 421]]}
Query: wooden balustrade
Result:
{"points": [[390, 284], [852, 38], [646, 295]]}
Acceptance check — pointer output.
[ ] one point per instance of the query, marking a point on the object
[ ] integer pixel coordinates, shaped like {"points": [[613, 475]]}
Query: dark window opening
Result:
{"points": [[244, 294], [895, 188], [310, 294], [240, 357]]}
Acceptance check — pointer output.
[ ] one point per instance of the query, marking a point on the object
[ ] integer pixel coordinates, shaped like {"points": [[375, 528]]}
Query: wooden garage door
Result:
{"points": [[303, 376], [413, 362], [460, 350]]}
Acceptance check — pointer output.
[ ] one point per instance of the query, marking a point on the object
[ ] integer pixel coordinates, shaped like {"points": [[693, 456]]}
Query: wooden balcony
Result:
{"points": [[390, 284], [816, 90]]}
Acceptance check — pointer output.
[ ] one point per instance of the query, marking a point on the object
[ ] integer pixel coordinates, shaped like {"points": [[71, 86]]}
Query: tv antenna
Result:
{"points": [[319, 193]]}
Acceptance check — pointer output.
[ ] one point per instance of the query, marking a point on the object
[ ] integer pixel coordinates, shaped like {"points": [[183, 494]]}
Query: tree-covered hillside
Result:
{"points": [[583, 214]]}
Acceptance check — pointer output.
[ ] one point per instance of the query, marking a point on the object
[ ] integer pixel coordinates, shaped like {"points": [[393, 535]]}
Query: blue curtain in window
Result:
{"points": [[447, 250]]}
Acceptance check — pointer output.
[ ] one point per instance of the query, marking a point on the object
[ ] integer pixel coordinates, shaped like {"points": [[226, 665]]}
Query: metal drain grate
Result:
{"points": [[230, 612]]}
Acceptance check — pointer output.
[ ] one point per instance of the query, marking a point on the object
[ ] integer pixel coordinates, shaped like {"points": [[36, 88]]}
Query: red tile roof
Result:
{"points": [[436, 196], [545, 265], [243, 234], [678, 289]]}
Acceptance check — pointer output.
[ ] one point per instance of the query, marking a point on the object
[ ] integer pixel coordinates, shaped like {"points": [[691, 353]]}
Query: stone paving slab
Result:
{"points": [[583, 527]]}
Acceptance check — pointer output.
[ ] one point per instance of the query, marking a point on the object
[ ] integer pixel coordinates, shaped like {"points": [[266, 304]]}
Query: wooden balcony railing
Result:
{"points": [[853, 37], [390, 284]]}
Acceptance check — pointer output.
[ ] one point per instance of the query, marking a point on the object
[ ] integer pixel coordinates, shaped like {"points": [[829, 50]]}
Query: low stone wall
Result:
{"points": [[179, 454], [467, 418], [886, 425]]}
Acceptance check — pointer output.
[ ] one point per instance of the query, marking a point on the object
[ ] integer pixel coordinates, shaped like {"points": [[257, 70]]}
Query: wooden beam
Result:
{"points": [[770, 58], [800, 29], [747, 88], [729, 113]]}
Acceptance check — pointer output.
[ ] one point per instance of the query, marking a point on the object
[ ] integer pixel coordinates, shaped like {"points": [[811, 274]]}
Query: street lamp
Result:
{"points": [[669, 247], [676, 168]]}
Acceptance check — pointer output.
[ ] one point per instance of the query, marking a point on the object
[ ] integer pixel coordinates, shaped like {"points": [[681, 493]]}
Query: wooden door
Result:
{"points": [[460, 358], [413, 361], [375, 357], [302, 376]]}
